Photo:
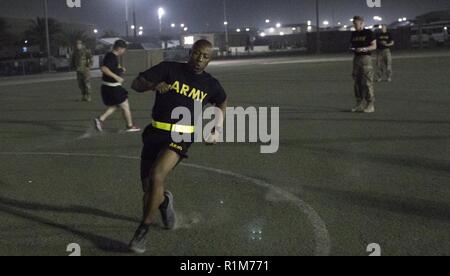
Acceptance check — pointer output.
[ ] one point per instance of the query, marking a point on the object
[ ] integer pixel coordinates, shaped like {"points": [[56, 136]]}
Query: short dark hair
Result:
{"points": [[358, 18], [202, 43], [120, 44]]}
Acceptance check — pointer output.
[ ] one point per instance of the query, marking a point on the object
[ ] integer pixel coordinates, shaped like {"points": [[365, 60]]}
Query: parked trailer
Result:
{"points": [[436, 33]]}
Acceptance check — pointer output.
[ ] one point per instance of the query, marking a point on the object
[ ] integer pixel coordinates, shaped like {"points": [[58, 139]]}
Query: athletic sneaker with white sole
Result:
{"points": [[168, 212], [358, 108], [370, 108], [133, 129], [138, 243], [98, 124]]}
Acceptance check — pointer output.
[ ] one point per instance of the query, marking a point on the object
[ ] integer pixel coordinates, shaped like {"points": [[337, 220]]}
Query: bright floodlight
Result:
{"points": [[326, 23], [267, 21], [262, 34], [140, 33], [238, 30], [377, 18], [278, 25], [182, 25], [161, 13], [133, 27], [186, 29], [95, 31], [141, 28], [247, 29], [189, 40], [309, 22], [272, 30], [225, 23], [173, 25]]}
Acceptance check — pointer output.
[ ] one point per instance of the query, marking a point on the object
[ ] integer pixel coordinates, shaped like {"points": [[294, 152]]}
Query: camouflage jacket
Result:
{"points": [[82, 60]]}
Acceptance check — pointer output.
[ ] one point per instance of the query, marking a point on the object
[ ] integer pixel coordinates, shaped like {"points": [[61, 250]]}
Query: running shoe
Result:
{"points": [[167, 211]]}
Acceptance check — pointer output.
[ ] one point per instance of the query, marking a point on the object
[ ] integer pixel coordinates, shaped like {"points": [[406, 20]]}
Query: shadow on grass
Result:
{"points": [[11, 206], [397, 204]]}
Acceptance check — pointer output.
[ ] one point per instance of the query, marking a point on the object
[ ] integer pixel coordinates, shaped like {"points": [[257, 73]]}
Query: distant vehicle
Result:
{"points": [[435, 33]]}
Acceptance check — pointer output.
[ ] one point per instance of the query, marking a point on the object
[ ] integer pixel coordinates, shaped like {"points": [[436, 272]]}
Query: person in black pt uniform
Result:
{"points": [[177, 85], [363, 43], [384, 55], [113, 94]]}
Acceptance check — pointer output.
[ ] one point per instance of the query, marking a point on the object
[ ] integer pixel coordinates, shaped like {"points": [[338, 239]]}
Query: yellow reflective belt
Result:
{"points": [[174, 128]]}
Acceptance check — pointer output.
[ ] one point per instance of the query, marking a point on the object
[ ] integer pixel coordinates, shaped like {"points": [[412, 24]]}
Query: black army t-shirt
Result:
{"points": [[112, 62], [187, 88], [362, 39], [384, 37]]}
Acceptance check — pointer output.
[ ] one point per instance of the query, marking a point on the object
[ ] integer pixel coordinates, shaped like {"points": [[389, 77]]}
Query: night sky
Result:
{"points": [[207, 15]]}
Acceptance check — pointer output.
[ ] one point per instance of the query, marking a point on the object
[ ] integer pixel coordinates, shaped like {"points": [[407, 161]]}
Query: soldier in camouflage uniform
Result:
{"points": [[82, 62]]}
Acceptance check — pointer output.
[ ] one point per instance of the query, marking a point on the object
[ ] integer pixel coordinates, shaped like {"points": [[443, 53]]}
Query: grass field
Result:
{"points": [[339, 182]]}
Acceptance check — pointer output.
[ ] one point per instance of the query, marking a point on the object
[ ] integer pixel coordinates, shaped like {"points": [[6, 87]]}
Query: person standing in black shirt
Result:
{"points": [[384, 55], [363, 43], [177, 85], [113, 94]]}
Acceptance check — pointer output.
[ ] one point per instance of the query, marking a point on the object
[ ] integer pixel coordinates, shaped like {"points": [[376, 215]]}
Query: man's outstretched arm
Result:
{"points": [[220, 117], [141, 85], [213, 138]]}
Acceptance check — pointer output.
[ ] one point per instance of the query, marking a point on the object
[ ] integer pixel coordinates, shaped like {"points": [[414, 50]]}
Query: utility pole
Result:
{"points": [[318, 27], [134, 19], [126, 20], [225, 22], [47, 36]]}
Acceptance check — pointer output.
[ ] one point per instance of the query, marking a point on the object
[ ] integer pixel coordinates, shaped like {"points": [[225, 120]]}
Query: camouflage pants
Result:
{"points": [[84, 83], [363, 76], [384, 64]]}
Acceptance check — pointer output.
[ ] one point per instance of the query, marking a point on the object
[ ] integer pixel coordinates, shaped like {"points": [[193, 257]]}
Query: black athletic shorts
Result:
{"points": [[113, 96], [155, 142]]}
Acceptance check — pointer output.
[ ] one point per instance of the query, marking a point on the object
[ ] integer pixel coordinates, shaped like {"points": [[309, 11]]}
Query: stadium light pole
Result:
{"points": [[47, 36], [318, 26], [134, 19], [225, 20], [126, 19], [161, 13]]}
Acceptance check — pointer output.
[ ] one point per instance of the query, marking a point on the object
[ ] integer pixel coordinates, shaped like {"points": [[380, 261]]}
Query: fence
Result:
{"points": [[338, 41], [32, 66], [134, 61]]}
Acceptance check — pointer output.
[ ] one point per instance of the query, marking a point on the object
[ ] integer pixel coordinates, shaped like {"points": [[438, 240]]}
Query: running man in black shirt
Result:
{"points": [[113, 94], [384, 55], [363, 43], [177, 85]]}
